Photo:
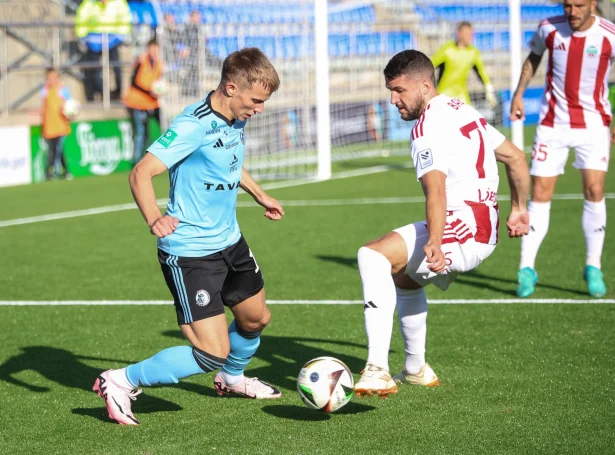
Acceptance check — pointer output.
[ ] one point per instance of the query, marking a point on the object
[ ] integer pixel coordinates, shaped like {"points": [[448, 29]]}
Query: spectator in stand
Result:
{"points": [[140, 100], [173, 40], [194, 42], [55, 126], [94, 18]]}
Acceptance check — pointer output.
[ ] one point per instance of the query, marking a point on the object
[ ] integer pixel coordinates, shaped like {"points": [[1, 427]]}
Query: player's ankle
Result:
{"points": [[231, 379]]}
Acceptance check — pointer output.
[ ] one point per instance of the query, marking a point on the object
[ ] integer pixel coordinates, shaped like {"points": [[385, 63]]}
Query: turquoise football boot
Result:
{"points": [[595, 282], [527, 279]]}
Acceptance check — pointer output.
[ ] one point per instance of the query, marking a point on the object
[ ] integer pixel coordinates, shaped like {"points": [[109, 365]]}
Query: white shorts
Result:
{"points": [[460, 257], [592, 148]]}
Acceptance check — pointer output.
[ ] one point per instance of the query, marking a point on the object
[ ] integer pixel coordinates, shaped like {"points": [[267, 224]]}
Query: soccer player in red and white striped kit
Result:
{"points": [[575, 113]]}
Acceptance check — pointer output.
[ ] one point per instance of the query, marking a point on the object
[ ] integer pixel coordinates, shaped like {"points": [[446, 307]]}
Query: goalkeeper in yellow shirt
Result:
{"points": [[455, 59]]}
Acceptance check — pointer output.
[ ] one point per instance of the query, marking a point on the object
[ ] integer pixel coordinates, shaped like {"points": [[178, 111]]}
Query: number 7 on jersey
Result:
{"points": [[466, 130]]}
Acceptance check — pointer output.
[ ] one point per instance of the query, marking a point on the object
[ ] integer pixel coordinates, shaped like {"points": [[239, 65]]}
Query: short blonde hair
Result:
{"points": [[250, 66]]}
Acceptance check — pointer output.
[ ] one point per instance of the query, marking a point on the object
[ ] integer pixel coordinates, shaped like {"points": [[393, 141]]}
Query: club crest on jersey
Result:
{"points": [[242, 136], [214, 128], [202, 297], [425, 158], [591, 51]]}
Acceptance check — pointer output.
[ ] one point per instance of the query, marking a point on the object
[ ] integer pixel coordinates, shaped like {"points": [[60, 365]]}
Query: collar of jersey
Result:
{"points": [[596, 24], [208, 101]]}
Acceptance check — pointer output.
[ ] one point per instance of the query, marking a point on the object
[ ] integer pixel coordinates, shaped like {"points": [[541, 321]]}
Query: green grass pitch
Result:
{"points": [[516, 378]]}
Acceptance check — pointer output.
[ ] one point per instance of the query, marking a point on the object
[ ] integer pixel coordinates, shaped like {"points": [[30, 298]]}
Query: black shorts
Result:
{"points": [[202, 286]]}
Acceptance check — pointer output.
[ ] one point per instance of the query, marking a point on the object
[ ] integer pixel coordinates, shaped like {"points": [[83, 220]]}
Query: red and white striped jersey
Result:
{"points": [[454, 138], [576, 94]]}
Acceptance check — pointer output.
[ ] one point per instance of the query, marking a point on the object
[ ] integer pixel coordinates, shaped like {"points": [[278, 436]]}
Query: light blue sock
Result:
{"points": [[243, 347], [171, 365]]}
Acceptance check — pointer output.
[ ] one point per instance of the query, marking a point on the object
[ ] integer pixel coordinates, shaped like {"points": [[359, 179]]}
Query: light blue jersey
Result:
{"points": [[204, 152]]}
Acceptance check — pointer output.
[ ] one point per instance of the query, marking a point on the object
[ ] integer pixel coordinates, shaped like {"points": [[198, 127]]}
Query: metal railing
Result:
{"points": [[28, 49]]}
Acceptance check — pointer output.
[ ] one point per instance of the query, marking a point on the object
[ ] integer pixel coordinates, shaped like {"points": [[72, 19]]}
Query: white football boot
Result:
{"points": [[375, 381], [425, 377]]}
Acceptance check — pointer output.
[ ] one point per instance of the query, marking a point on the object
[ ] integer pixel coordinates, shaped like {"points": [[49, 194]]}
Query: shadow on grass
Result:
{"points": [[483, 281], [284, 356], [146, 404], [302, 413], [341, 260], [68, 369], [473, 278]]}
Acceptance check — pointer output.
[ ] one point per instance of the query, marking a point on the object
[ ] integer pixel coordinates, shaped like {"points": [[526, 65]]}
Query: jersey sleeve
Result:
{"points": [[495, 137], [184, 136], [439, 57], [480, 68], [537, 43], [430, 153]]}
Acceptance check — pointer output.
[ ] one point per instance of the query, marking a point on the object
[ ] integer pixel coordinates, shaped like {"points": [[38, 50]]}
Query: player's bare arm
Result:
{"points": [[434, 188], [273, 209], [143, 193], [518, 175], [517, 111]]}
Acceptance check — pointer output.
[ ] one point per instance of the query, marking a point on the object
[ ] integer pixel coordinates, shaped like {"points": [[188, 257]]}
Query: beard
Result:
{"points": [[413, 112]]}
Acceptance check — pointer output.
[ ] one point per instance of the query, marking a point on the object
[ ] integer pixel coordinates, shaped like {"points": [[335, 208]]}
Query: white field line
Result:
{"points": [[305, 302], [252, 204], [163, 202]]}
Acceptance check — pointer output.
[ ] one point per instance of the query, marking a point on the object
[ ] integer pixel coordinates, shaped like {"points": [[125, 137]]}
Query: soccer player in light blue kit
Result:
{"points": [[205, 260]]}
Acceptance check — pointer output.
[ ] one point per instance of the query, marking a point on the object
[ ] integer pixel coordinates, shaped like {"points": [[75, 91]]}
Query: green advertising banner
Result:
{"points": [[92, 148]]}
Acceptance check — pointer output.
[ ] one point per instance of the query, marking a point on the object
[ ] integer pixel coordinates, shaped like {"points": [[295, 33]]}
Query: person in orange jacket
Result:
{"points": [[55, 126], [141, 101]]}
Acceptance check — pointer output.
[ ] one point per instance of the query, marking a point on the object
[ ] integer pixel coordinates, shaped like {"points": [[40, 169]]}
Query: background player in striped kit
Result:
{"points": [[575, 113], [205, 260], [454, 152]]}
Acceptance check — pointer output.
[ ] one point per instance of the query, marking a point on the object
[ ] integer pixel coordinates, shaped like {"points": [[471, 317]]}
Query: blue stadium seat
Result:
{"points": [[264, 43], [221, 47], [143, 13], [527, 37], [262, 13], [369, 44], [484, 41], [398, 41], [339, 45], [484, 12]]}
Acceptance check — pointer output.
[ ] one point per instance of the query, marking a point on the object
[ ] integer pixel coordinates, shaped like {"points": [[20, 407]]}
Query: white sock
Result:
{"points": [[412, 314], [230, 379], [120, 378], [539, 225], [594, 225], [379, 304]]}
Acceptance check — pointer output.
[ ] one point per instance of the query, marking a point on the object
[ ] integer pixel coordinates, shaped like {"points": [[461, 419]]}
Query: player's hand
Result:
{"points": [[491, 97], [518, 223], [164, 226], [435, 258], [517, 110], [273, 209]]}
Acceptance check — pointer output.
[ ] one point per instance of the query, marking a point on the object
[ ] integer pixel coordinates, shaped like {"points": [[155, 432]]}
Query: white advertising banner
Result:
{"points": [[15, 156]]}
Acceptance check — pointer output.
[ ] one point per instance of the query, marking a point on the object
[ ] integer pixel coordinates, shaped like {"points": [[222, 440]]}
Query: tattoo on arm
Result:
{"points": [[527, 72]]}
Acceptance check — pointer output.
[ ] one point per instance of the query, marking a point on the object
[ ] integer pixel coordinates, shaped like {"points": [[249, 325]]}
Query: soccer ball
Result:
{"points": [[325, 384], [159, 87], [71, 109]]}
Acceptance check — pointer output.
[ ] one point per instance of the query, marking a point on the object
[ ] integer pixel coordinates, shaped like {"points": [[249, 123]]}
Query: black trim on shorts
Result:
{"points": [[203, 286]]}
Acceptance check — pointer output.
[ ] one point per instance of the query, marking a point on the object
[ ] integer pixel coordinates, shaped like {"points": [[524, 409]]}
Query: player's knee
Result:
{"points": [[541, 194], [365, 256], [255, 325], [594, 192]]}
